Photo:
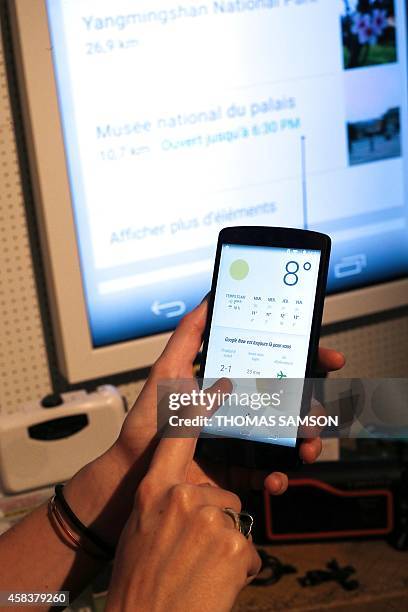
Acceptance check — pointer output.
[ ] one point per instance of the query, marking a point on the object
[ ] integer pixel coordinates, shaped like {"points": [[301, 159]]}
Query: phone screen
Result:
{"points": [[261, 323]]}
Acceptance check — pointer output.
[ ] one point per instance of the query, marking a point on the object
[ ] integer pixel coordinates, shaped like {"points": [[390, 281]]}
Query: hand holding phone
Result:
{"points": [[264, 318]]}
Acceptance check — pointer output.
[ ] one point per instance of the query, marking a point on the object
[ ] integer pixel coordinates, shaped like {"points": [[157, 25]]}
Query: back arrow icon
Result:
{"points": [[169, 309]]}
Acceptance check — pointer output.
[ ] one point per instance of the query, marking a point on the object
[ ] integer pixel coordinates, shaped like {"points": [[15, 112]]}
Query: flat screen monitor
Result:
{"points": [[153, 124]]}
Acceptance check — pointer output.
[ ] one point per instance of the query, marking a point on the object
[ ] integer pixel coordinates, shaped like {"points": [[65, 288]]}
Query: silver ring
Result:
{"points": [[243, 521]]}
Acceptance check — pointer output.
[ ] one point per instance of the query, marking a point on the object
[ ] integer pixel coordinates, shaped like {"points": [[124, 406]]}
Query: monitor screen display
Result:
{"points": [[181, 118]]}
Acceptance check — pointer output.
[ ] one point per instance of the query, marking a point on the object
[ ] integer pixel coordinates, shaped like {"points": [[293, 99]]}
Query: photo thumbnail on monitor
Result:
{"points": [[368, 32], [373, 101]]}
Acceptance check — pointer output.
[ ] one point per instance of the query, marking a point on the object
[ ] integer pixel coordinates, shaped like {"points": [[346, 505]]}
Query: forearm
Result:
{"points": [[34, 556], [102, 494], [34, 559]]}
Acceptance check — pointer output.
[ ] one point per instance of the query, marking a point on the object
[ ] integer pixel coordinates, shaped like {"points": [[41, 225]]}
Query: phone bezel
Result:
{"points": [[258, 454]]}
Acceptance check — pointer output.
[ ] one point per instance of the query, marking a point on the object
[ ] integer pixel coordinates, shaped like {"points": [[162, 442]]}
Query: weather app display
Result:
{"points": [[262, 312], [260, 330]]}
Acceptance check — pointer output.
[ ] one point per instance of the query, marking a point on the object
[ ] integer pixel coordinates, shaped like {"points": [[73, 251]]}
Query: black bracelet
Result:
{"points": [[88, 533]]}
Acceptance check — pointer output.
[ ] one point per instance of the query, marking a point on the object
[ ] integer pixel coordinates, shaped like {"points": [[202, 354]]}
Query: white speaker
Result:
{"points": [[50, 440]]}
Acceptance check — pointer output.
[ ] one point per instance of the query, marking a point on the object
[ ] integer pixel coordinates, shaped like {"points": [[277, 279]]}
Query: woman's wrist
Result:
{"points": [[101, 493]]}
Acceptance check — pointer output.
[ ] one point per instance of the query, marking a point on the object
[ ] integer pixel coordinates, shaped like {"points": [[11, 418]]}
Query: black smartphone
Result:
{"points": [[264, 316]]}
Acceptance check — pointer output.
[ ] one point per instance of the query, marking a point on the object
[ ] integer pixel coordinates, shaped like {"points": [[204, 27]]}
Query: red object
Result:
{"points": [[311, 482]]}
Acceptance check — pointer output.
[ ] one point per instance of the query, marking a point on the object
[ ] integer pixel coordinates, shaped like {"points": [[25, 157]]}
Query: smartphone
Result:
{"points": [[264, 316]]}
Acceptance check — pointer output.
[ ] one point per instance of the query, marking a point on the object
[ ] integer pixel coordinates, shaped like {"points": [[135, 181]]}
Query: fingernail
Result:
{"points": [[276, 483], [205, 298]]}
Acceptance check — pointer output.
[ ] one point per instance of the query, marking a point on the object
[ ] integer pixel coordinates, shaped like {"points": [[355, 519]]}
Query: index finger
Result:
{"points": [[173, 456]]}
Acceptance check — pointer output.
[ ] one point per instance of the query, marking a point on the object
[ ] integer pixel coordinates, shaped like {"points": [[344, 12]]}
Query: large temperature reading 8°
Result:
{"points": [[291, 277]]}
